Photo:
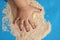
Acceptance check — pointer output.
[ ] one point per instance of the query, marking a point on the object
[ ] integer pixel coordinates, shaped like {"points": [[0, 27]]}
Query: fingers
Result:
{"points": [[26, 26], [32, 24], [24, 23], [21, 24]]}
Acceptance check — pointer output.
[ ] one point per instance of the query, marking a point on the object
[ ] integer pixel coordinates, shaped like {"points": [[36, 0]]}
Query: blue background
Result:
{"points": [[52, 9]]}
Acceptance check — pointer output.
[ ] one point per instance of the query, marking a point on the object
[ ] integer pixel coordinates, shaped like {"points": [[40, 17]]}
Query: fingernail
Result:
{"points": [[40, 9], [20, 29], [33, 27], [27, 29]]}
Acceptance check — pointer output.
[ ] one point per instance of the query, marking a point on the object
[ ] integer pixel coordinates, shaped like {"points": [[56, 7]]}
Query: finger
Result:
{"points": [[21, 24], [32, 24], [16, 19], [26, 26], [36, 9]]}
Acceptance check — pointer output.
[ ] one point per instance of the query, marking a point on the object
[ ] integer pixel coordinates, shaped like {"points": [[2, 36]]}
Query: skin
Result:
{"points": [[24, 13]]}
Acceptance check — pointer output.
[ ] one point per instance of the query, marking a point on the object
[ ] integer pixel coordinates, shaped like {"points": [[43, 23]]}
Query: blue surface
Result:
{"points": [[52, 9]]}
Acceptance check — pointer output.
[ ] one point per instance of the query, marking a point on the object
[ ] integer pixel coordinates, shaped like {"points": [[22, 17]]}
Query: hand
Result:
{"points": [[24, 16]]}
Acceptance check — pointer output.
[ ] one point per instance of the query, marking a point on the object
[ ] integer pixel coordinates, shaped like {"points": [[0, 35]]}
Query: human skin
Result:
{"points": [[24, 15]]}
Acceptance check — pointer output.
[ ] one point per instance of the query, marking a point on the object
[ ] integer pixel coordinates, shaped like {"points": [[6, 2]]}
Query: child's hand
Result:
{"points": [[25, 17]]}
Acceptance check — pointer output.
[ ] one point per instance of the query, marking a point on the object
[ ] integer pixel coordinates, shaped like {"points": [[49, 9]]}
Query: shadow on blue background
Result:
{"points": [[52, 9]]}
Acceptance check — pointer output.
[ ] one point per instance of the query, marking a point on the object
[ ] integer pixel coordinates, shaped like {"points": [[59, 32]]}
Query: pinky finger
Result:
{"points": [[16, 19]]}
